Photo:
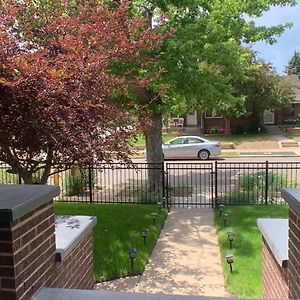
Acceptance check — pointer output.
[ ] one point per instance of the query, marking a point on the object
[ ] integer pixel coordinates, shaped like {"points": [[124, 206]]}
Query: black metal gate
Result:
{"points": [[190, 184]]}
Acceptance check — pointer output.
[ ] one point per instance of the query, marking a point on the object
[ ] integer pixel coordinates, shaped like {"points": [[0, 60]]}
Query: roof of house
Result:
{"points": [[294, 82]]}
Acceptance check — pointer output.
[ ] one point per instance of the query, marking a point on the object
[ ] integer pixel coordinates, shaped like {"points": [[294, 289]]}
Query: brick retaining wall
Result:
{"points": [[76, 271], [28, 257], [275, 277]]}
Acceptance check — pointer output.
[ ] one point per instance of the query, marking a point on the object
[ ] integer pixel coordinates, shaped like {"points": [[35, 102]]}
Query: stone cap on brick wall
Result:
{"points": [[18, 200], [69, 232], [275, 232], [64, 294], [292, 197]]}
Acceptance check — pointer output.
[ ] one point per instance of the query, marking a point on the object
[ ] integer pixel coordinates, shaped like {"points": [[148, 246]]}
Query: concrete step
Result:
{"points": [[227, 145], [286, 144]]}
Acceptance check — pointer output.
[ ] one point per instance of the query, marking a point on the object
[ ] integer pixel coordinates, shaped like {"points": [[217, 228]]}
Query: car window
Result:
{"points": [[177, 141], [194, 141]]}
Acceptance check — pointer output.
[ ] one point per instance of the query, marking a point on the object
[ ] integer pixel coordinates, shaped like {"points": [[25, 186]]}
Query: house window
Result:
{"points": [[288, 110], [211, 114]]}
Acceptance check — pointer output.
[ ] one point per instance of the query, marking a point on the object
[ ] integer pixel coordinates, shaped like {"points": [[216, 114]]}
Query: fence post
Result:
{"points": [[163, 179], [167, 186], [216, 180], [267, 182], [90, 184]]}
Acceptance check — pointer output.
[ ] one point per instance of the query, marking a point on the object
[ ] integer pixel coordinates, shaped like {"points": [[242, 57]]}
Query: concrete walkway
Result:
{"points": [[185, 261], [276, 133]]}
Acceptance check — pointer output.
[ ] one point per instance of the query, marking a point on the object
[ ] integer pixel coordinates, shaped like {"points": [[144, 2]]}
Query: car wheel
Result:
{"points": [[203, 154]]}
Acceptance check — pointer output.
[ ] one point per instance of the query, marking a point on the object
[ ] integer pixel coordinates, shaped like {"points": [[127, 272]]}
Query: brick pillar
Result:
{"points": [[27, 240], [275, 277], [292, 197], [294, 255]]}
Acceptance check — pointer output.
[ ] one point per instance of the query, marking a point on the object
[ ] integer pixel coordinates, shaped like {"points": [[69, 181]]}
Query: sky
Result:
{"points": [[280, 53]]}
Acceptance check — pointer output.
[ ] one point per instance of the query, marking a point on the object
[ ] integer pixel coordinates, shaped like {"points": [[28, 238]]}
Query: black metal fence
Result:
{"points": [[183, 184], [255, 182], [101, 183]]}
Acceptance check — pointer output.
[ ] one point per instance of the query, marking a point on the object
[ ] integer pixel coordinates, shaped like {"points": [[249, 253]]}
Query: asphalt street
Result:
{"points": [[233, 159]]}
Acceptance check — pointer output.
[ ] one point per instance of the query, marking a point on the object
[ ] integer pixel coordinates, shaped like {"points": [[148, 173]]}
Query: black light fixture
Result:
{"points": [[154, 215], [132, 256], [160, 205], [221, 208], [145, 234], [229, 259], [164, 202], [225, 217], [230, 237]]}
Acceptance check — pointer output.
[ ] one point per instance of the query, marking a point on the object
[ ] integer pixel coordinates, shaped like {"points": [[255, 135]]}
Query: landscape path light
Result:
{"points": [[145, 234], [221, 208], [225, 217], [160, 205], [132, 256], [230, 237], [229, 259], [154, 215]]}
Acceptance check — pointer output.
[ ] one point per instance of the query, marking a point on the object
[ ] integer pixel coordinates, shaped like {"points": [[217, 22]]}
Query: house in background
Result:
{"points": [[290, 114], [210, 122]]}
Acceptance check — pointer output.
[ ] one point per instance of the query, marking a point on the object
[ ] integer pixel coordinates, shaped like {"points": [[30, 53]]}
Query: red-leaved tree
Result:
{"points": [[62, 67]]}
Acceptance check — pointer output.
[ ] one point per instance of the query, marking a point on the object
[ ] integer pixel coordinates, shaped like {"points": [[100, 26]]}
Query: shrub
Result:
{"points": [[73, 185], [138, 194], [251, 189], [257, 181], [8, 178], [77, 184], [256, 128], [238, 129], [237, 197]]}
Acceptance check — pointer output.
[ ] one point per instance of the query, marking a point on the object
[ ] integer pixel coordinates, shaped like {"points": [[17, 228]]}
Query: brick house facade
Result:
{"points": [[288, 115]]}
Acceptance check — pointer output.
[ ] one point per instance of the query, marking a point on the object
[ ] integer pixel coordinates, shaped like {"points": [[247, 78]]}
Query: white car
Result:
{"points": [[190, 147]]}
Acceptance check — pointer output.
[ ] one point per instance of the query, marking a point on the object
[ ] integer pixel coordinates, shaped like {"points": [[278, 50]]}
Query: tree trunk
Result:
{"points": [[46, 173], [27, 177], [153, 137], [227, 125]]}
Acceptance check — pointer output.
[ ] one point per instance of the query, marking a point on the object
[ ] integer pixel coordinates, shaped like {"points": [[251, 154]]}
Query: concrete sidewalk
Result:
{"points": [[186, 259]]}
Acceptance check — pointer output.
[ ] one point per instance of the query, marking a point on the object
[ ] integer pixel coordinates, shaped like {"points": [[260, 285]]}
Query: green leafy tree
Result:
{"points": [[265, 90], [200, 61], [293, 67]]}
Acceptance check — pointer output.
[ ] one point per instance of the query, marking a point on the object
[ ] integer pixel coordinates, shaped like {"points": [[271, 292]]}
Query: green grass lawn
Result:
{"points": [[118, 229], [229, 153], [240, 138], [246, 279], [295, 137]]}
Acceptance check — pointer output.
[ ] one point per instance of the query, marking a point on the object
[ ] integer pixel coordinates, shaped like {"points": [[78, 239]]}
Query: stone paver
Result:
{"points": [[186, 259]]}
